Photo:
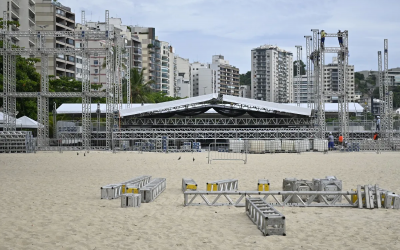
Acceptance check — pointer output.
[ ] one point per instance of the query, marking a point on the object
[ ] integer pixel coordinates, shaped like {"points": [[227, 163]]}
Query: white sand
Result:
{"points": [[52, 201]]}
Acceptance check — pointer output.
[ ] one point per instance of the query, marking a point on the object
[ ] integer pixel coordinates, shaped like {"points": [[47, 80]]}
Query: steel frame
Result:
{"points": [[218, 122], [298, 73], [212, 198], [310, 88], [113, 88]]}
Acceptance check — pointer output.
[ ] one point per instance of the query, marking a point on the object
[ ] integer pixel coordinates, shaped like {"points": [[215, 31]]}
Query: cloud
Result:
{"points": [[200, 28]]}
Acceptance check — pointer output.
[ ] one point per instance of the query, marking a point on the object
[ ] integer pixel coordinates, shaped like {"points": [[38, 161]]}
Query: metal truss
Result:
{"points": [[386, 111], [56, 94], [310, 88], [16, 142], [343, 86], [274, 198], [128, 75], [298, 76], [206, 133], [218, 122], [113, 89], [319, 60], [380, 82]]}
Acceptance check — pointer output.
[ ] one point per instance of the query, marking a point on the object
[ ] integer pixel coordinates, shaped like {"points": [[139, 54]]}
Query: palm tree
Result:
{"points": [[140, 90]]}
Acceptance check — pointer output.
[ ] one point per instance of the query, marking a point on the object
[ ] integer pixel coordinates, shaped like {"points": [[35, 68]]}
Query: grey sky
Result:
{"points": [[198, 29]]}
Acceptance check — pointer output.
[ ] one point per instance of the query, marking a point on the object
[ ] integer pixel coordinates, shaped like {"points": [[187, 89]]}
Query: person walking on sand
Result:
{"points": [[330, 141]]}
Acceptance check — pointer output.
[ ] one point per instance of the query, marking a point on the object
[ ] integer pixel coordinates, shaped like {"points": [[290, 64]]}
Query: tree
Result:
{"points": [[245, 79], [359, 76], [302, 68], [140, 90], [158, 97]]}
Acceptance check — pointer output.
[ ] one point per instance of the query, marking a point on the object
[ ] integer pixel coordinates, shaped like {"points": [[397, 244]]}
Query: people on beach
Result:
{"points": [[330, 141]]}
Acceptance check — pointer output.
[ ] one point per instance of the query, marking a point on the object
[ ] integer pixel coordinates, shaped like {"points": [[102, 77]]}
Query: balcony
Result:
{"points": [[15, 3]]}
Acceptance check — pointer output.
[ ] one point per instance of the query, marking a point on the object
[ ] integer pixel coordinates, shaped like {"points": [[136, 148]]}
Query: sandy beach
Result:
{"points": [[51, 200]]}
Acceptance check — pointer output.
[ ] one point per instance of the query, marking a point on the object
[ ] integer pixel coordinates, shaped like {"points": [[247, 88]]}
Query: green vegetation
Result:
{"points": [[245, 79], [302, 68]]}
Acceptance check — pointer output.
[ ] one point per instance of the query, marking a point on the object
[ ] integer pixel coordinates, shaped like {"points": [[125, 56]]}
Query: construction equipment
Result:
{"points": [[131, 200], [188, 184], [265, 216], [223, 185], [153, 189]]}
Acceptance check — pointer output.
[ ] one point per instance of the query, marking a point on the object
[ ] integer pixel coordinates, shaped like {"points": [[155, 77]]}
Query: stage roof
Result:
{"points": [[227, 105]]}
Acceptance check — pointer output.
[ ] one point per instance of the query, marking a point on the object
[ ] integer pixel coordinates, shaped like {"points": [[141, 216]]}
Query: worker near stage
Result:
{"points": [[340, 38], [330, 141], [378, 123], [376, 136], [340, 140], [323, 35]]}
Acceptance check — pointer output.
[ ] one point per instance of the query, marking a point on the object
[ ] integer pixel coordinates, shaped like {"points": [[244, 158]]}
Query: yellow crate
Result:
{"points": [[132, 190], [191, 186], [263, 187], [212, 186]]}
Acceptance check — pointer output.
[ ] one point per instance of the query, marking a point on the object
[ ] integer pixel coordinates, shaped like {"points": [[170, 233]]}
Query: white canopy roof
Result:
{"points": [[26, 122], [22, 122], [354, 107]]}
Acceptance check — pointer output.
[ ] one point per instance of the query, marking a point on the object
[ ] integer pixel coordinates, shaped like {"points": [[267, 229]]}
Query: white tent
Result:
{"points": [[26, 122], [22, 122]]}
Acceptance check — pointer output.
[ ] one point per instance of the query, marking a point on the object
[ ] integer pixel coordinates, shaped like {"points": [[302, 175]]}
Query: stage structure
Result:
{"points": [[113, 53], [317, 56]]}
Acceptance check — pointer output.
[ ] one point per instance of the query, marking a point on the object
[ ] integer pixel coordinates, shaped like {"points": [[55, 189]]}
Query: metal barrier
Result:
{"points": [[234, 150]]}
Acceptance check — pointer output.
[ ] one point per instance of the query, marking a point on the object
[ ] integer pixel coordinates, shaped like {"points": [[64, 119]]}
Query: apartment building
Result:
{"points": [[150, 51], [303, 89], [227, 76], [244, 91], [202, 79], [53, 16], [183, 76], [97, 71], [331, 82], [24, 12], [271, 74], [166, 85]]}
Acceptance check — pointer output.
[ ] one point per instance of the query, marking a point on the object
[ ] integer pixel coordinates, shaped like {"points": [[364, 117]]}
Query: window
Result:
{"points": [[96, 71], [95, 79], [96, 62]]}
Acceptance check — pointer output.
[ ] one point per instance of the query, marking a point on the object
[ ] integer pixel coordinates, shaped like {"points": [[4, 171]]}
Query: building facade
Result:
{"points": [[183, 77], [271, 74], [53, 16], [23, 12], [201, 79], [331, 82], [227, 76]]}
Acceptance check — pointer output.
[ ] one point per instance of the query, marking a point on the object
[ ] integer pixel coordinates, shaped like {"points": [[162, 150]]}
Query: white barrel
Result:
{"points": [[236, 146], [287, 145], [257, 146]]}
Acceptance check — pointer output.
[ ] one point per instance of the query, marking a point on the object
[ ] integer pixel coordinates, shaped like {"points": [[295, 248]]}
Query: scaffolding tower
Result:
{"points": [[112, 50], [298, 73], [318, 55], [310, 88]]}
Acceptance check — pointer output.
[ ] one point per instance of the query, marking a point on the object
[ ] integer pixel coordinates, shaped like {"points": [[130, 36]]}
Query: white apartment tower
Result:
{"points": [[227, 76], [331, 81], [183, 86], [271, 74], [202, 79]]}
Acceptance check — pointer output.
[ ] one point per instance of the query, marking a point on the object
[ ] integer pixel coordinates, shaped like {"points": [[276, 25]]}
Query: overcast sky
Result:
{"points": [[198, 29]]}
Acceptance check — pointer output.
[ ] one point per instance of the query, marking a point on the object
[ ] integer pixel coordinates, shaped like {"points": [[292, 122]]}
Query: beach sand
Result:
{"points": [[51, 200]]}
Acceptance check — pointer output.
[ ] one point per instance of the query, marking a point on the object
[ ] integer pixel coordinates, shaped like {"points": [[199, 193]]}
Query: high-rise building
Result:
{"points": [[96, 64], [271, 74], [166, 85], [24, 12], [227, 76], [331, 81], [183, 86], [150, 45], [202, 79], [53, 16], [304, 90]]}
